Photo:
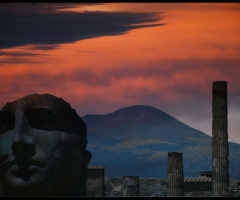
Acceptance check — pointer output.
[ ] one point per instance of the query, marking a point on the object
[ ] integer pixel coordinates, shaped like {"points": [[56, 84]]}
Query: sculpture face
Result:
{"points": [[42, 148]]}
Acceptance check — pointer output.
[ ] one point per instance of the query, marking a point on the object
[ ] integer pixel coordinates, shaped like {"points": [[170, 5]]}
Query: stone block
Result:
{"points": [[176, 192], [222, 162], [219, 188], [131, 186], [219, 123], [220, 152], [216, 134], [95, 181]]}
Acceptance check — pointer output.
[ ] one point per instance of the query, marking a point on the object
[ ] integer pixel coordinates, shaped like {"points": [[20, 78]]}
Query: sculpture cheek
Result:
{"points": [[5, 143], [47, 143]]}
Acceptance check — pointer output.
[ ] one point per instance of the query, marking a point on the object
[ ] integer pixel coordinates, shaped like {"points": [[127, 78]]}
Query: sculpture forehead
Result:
{"points": [[40, 101], [74, 123]]}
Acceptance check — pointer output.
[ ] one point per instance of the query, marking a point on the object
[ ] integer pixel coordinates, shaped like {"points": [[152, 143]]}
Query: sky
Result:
{"points": [[101, 57]]}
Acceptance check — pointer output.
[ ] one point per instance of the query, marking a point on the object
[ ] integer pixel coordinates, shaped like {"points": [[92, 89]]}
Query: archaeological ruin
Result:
{"points": [[95, 181], [130, 186], [175, 177]]}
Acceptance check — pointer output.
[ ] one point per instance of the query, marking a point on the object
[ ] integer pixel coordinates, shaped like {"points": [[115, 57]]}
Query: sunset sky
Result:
{"points": [[106, 56]]}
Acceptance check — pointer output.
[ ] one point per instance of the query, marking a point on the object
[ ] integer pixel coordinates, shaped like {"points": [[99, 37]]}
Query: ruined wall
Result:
{"points": [[148, 187], [153, 187], [130, 186], [199, 186], [113, 186], [95, 181], [156, 187]]}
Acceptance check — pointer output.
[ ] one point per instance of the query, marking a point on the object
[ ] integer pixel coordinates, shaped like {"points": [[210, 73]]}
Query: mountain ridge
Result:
{"points": [[136, 139], [137, 118]]}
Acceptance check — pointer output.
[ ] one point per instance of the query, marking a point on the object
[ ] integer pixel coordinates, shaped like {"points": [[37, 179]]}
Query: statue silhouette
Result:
{"points": [[42, 148]]}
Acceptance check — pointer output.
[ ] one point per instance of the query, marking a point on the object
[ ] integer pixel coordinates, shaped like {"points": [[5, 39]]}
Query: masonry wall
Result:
{"points": [[197, 186], [130, 186], [148, 187], [156, 187], [95, 181], [152, 187]]}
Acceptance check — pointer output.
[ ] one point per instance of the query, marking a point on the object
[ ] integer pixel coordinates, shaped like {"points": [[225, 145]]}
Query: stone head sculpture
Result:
{"points": [[42, 148]]}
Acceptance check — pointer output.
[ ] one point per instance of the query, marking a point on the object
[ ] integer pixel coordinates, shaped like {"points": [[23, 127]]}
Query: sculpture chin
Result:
{"points": [[15, 178]]}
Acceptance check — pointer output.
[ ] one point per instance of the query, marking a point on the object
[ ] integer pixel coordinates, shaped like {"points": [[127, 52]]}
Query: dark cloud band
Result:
{"points": [[52, 28]]}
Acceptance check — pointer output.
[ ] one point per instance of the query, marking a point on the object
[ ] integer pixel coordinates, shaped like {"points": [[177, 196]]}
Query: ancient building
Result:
{"points": [[148, 187], [198, 186], [95, 181], [157, 187], [220, 163], [207, 174], [175, 178], [130, 186]]}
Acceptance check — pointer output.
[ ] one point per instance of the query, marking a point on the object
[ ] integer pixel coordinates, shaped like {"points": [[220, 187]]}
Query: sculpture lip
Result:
{"points": [[25, 174], [27, 163], [22, 165]]}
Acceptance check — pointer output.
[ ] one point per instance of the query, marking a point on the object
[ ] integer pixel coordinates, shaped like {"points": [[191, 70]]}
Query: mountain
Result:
{"points": [[136, 140]]}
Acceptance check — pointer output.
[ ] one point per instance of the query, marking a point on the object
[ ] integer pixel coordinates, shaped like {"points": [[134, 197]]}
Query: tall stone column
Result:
{"points": [[220, 163], [175, 177], [130, 186]]}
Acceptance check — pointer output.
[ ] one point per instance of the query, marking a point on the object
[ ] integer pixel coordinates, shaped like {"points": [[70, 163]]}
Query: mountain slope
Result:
{"points": [[135, 141]]}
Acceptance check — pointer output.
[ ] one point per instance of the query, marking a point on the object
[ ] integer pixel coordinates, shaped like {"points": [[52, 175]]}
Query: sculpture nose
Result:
{"points": [[23, 151], [23, 147]]}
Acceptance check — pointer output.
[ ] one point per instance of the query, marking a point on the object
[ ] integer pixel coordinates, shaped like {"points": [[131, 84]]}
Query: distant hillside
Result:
{"points": [[135, 141]]}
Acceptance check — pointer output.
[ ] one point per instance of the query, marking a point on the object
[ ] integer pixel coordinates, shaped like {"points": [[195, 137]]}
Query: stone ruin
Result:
{"points": [[156, 187], [175, 177], [198, 186], [95, 181], [220, 163], [130, 186], [202, 179]]}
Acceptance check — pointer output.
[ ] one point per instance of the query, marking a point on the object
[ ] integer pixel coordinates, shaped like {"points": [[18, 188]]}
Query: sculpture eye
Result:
{"points": [[3, 127], [47, 124], [44, 119], [6, 121]]}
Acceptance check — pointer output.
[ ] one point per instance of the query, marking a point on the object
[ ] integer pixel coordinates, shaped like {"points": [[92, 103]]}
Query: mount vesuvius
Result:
{"points": [[136, 140]]}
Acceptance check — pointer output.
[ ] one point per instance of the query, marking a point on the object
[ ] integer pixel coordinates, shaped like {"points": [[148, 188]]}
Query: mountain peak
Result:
{"points": [[137, 121], [139, 109]]}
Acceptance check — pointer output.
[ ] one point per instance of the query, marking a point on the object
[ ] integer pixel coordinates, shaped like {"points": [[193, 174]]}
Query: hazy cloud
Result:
{"points": [[17, 54], [43, 47]]}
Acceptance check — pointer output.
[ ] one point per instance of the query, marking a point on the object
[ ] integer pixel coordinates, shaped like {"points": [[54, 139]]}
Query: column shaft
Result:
{"points": [[130, 186], [175, 177], [220, 152]]}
